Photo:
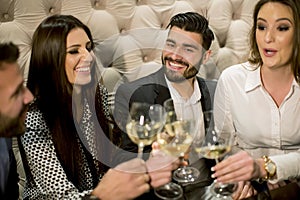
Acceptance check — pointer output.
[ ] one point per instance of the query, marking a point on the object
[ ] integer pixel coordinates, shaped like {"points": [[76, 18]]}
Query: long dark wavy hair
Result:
{"points": [[255, 57], [48, 81]]}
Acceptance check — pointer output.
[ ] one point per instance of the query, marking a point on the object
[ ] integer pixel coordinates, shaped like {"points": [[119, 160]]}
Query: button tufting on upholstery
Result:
{"points": [[123, 31], [119, 16], [5, 16], [145, 58], [52, 10]]}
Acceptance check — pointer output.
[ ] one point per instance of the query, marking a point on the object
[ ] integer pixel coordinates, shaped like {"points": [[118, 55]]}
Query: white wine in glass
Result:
{"points": [[183, 113], [175, 140], [143, 124], [216, 145], [213, 151]]}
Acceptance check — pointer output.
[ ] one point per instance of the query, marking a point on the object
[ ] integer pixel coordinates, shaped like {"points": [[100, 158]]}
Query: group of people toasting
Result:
{"points": [[74, 147]]}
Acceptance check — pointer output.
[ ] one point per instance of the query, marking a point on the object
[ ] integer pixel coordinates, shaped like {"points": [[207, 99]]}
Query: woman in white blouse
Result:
{"points": [[259, 100]]}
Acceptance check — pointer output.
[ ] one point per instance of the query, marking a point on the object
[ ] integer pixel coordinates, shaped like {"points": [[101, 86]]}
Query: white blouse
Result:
{"points": [[242, 104]]}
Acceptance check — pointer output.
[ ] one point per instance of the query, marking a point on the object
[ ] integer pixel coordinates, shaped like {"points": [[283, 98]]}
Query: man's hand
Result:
{"points": [[126, 181], [160, 166]]}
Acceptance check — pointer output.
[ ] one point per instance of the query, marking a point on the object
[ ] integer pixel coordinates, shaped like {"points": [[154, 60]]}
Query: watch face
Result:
{"points": [[271, 168]]}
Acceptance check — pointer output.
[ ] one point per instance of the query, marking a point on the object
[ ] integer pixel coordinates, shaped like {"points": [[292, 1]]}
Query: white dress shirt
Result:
{"points": [[191, 106], [242, 104]]}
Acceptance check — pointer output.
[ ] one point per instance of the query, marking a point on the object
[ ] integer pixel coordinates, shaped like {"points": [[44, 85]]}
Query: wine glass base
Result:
{"points": [[170, 191], [186, 174], [223, 191]]}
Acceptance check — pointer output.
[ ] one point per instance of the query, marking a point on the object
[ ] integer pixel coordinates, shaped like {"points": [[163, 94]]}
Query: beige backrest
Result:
{"points": [[131, 32]]}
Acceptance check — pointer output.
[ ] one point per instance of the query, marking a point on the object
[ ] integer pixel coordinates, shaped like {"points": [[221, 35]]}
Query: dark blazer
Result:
{"points": [[9, 177], [153, 89]]}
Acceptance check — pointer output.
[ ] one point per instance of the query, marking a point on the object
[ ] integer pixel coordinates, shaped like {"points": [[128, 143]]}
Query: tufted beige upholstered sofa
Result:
{"points": [[131, 33]]}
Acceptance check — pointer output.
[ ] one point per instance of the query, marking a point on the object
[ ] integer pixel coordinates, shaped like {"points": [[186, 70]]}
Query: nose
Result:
{"points": [[28, 97], [269, 36], [87, 55], [176, 53]]}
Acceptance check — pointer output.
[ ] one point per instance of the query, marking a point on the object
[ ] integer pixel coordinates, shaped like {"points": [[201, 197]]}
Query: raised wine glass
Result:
{"points": [[143, 124], [216, 145], [185, 113], [174, 140]]}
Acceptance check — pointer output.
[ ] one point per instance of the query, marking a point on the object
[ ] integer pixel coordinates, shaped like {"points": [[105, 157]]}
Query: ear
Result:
{"points": [[206, 56]]}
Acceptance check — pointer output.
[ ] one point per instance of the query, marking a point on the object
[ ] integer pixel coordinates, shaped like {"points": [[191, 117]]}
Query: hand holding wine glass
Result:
{"points": [[175, 140], [216, 145]]}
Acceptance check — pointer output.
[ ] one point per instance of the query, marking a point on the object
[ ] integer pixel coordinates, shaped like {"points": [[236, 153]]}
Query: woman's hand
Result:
{"points": [[126, 181], [238, 167], [244, 190]]}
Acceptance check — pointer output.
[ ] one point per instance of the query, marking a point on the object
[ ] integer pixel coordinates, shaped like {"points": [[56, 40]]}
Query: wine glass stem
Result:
{"points": [[181, 161], [140, 150]]}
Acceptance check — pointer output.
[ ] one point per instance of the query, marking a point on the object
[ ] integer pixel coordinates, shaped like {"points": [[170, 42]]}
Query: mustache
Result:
{"points": [[177, 61]]}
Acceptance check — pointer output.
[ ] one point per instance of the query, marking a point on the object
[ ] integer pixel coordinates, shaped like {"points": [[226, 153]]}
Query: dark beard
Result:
{"points": [[11, 127], [189, 72]]}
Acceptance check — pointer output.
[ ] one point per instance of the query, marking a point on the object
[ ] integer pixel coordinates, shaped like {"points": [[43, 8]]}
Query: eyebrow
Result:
{"points": [[78, 45], [72, 46], [184, 44], [277, 20]]}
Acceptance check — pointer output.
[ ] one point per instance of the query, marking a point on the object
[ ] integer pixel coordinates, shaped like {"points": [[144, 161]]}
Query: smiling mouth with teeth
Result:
{"points": [[83, 69], [176, 63]]}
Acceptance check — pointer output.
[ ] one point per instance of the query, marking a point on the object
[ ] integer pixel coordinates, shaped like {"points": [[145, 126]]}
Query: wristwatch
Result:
{"points": [[270, 168]]}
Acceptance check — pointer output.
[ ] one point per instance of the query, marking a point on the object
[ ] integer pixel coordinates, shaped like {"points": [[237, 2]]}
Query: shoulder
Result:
{"points": [[152, 78], [34, 118], [237, 72], [156, 78]]}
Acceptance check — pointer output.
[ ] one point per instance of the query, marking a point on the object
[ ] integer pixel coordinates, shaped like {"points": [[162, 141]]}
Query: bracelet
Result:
{"points": [[266, 160]]}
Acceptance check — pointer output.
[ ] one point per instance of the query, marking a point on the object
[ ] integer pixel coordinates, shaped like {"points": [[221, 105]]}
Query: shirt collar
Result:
{"points": [[195, 98], [253, 79], [295, 84]]}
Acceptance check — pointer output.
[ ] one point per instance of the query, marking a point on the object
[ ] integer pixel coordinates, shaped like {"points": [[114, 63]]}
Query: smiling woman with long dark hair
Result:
{"points": [[67, 145]]}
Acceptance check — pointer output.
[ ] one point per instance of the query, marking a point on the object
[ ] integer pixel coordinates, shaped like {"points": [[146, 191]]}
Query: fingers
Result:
{"points": [[159, 178], [277, 185], [120, 185], [247, 191], [159, 182], [244, 190], [135, 165], [160, 161], [238, 167]]}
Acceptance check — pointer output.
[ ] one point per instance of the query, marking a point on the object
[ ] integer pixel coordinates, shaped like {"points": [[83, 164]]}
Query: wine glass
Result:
{"points": [[216, 145], [174, 140], [143, 124], [181, 112]]}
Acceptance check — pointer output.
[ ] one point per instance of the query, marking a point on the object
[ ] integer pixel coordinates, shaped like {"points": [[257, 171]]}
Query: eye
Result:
{"points": [[73, 51], [283, 28], [260, 27], [170, 44], [190, 50]]}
